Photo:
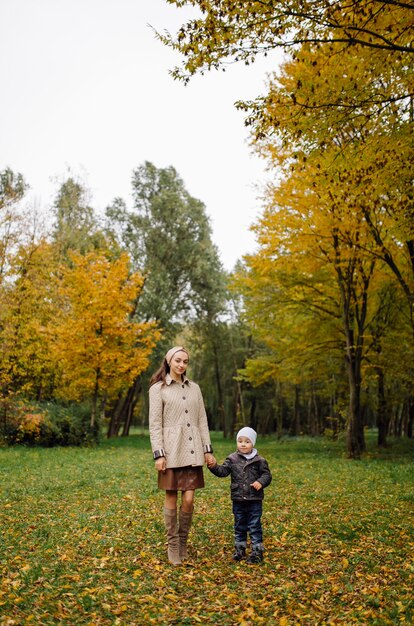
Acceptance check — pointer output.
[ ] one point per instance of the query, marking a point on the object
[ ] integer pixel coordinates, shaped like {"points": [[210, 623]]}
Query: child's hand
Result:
{"points": [[256, 485], [210, 460]]}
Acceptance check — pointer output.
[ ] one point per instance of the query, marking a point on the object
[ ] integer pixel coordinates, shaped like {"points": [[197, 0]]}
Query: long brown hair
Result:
{"points": [[160, 374]]}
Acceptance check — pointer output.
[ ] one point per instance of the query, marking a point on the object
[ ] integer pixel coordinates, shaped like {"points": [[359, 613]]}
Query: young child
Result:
{"points": [[250, 474]]}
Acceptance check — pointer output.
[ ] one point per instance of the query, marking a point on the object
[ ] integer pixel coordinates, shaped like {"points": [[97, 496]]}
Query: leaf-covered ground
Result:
{"points": [[82, 540]]}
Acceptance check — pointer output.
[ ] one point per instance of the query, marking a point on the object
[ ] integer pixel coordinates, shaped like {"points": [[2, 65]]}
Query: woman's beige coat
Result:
{"points": [[178, 423]]}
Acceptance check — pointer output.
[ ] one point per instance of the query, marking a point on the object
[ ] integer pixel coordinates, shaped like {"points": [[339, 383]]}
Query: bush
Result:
{"points": [[46, 425], [73, 423]]}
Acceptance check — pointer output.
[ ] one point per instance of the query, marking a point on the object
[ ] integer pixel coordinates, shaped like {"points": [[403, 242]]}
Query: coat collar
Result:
{"points": [[250, 456], [169, 380]]}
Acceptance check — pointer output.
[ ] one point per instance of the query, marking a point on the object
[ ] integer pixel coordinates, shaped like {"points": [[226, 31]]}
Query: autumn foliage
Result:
{"points": [[99, 348], [85, 304], [68, 330]]}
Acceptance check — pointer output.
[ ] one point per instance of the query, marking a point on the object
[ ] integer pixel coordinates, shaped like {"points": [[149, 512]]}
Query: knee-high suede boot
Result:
{"points": [[170, 518], [183, 530]]}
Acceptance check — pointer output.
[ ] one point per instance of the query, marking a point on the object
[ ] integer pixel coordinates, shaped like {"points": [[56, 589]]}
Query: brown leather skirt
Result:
{"points": [[181, 478]]}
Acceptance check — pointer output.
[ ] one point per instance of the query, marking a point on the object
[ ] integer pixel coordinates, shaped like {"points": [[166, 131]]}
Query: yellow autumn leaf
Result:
{"points": [[172, 596], [120, 609]]}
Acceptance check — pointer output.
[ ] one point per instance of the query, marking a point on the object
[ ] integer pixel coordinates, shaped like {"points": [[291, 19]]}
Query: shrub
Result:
{"points": [[73, 422], [46, 425]]}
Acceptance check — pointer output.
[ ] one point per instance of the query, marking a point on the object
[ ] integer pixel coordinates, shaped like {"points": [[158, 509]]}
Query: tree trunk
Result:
{"points": [[129, 414], [123, 411], [296, 413], [220, 398], [353, 278], [382, 418], [410, 417], [253, 418], [313, 412], [355, 431], [393, 428], [263, 424], [230, 425], [399, 422], [277, 405], [113, 426], [95, 400]]}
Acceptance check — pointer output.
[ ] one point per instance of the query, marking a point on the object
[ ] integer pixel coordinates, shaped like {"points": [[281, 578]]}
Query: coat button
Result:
{"points": [[186, 410], [190, 439], [183, 397], [188, 424], [192, 451]]}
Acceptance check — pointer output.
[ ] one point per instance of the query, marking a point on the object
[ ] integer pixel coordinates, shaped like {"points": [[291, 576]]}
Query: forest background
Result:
{"points": [[312, 333]]}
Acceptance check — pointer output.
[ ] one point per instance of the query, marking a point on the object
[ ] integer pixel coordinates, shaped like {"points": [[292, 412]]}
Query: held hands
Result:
{"points": [[256, 485], [210, 460], [161, 464]]}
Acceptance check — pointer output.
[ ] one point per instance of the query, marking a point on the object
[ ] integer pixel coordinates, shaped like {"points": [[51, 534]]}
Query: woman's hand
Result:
{"points": [[161, 464], [209, 459]]}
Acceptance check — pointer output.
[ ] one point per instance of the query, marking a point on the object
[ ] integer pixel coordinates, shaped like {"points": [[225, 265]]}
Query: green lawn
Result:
{"points": [[82, 539]]}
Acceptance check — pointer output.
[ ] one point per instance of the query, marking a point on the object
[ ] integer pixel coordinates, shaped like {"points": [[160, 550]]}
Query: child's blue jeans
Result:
{"points": [[247, 519]]}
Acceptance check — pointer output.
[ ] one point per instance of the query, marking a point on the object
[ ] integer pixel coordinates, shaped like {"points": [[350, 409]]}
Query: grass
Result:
{"points": [[82, 539]]}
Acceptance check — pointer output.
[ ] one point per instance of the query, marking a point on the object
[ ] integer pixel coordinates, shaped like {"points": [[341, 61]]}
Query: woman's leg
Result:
{"points": [[170, 500], [187, 500], [171, 525], [184, 520]]}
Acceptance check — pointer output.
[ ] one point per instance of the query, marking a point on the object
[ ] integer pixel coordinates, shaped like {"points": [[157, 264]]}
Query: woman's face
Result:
{"points": [[178, 364]]}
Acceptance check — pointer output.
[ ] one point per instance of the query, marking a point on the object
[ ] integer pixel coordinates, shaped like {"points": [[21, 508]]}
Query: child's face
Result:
{"points": [[244, 445]]}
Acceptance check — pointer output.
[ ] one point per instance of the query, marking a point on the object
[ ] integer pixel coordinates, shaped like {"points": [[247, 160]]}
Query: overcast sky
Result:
{"points": [[85, 87]]}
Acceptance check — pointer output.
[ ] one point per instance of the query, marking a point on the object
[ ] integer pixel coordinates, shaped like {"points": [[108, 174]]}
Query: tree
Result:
{"points": [[291, 306], [100, 349], [228, 29], [12, 190], [344, 93], [29, 307], [379, 137], [168, 235], [76, 227], [349, 60], [390, 358], [366, 151], [315, 213]]}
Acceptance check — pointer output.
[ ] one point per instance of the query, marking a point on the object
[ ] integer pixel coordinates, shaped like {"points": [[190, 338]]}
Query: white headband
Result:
{"points": [[172, 351]]}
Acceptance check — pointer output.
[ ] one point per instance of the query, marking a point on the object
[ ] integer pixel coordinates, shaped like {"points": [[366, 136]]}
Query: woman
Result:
{"points": [[180, 444]]}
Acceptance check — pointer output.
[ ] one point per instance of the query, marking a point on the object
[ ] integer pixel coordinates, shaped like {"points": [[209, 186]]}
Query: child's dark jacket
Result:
{"points": [[244, 472]]}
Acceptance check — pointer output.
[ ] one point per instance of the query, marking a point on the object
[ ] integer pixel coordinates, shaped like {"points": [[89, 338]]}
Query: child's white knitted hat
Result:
{"points": [[247, 432]]}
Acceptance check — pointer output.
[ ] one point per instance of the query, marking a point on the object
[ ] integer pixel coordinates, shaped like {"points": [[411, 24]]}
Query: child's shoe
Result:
{"points": [[239, 553], [256, 556]]}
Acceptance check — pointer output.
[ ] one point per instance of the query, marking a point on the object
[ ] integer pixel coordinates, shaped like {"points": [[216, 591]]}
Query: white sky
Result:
{"points": [[85, 86]]}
